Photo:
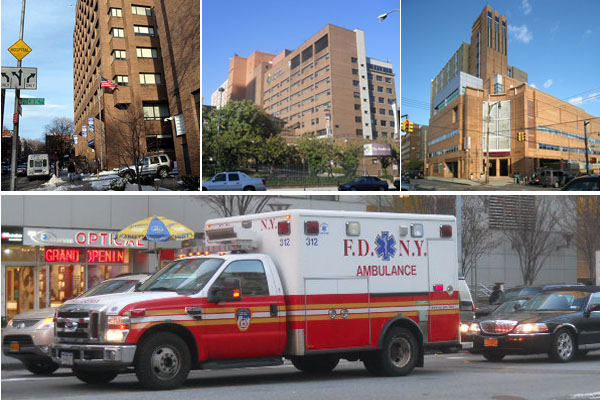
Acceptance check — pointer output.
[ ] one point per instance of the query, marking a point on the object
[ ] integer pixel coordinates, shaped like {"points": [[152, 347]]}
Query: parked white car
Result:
{"points": [[233, 181]]}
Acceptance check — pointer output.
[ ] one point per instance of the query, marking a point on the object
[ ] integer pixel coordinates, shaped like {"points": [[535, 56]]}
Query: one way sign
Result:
{"points": [[19, 78]]}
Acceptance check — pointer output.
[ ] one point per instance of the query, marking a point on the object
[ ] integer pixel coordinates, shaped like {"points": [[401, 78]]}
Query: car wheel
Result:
{"points": [[163, 362], [381, 188], [41, 367], [563, 346], [397, 357], [249, 188], [316, 364], [493, 357], [94, 377], [204, 189], [163, 173], [129, 176]]}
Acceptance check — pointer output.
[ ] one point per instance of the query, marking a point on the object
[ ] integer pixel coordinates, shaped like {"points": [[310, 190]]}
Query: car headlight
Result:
{"points": [[464, 328], [47, 323], [474, 328], [531, 328], [118, 329]]}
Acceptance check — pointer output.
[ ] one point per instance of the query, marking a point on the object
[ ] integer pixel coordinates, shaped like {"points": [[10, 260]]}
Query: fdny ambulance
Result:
{"points": [[310, 286]]}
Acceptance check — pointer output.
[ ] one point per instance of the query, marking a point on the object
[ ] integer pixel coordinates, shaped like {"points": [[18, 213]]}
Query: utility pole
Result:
{"points": [[487, 143], [221, 90], [587, 160], [15, 136]]}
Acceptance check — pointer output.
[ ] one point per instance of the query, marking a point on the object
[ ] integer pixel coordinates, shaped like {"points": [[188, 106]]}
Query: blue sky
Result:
{"points": [[556, 42], [241, 27], [49, 33]]}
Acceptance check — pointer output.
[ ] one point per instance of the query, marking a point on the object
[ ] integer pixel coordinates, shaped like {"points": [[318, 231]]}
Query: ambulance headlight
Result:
{"points": [[118, 329]]}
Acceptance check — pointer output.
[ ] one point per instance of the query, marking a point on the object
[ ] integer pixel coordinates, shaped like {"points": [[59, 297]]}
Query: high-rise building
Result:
{"points": [[219, 97], [143, 47], [477, 95], [327, 86]]}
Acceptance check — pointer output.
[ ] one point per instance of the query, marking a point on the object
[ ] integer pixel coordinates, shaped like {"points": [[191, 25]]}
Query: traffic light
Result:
{"points": [[410, 126], [520, 136], [524, 137]]}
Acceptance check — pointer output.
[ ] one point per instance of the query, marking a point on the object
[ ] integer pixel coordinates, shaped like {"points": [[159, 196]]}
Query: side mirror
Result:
{"points": [[591, 309], [137, 286], [229, 290], [517, 306]]}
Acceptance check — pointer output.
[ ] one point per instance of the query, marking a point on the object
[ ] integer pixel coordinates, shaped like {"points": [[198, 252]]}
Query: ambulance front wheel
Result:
{"points": [[398, 355], [316, 364], [163, 361]]}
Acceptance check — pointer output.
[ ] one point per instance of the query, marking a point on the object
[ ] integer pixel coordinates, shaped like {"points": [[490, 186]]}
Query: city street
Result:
{"points": [[449, 376], [436, 185]]}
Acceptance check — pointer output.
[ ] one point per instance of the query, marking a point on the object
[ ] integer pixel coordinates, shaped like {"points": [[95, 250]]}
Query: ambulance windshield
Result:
{"points": [[183, 276]]}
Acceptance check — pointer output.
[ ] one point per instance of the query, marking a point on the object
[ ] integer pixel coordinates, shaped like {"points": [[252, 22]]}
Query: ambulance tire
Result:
{"points": [[94, 377], [163, 361], [397, 357], [316, 364]]}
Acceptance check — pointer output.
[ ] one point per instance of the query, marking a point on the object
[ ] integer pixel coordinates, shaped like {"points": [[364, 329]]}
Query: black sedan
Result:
{"points": [[365, 183], [584, 183], [563, 323]]}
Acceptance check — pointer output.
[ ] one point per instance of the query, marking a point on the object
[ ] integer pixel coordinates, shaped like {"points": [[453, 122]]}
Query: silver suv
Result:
{"points": [[158, 165]]}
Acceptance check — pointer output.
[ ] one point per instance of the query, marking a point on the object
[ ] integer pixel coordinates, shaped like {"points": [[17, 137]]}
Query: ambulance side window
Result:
{"points": [[251, 274]]}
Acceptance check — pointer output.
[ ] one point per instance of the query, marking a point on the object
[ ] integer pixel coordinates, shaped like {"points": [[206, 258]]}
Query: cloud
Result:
{"points": [[548, 83], [576, 100], [533, 85], [526, 7], [520, 33]]}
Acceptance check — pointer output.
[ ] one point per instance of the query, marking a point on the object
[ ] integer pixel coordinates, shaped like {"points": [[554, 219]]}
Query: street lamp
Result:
{"points": [[221, 90], [384, 16]]}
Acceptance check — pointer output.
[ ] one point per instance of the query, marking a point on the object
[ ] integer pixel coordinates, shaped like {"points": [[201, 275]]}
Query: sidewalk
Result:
{"points": [[494, 181]]}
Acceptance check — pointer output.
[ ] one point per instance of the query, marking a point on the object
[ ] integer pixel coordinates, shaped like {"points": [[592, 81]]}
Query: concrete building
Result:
{"points": [[144, 47], [528, 128], [51, 257], [219, 98]]}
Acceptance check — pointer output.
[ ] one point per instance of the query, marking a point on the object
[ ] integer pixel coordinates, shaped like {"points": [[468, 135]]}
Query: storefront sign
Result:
{"points": [[377, 150], [12, 235], [77, 238], [73, 255]]}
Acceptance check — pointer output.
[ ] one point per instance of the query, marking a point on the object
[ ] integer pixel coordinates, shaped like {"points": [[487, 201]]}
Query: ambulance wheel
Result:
{"points": [[493, 357], [397, 357], [163, 361], [94, 377], [315, 364]]}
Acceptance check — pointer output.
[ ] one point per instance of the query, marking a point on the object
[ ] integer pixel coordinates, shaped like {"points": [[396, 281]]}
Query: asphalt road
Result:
{"points": [[445, 377], [435, 185]]}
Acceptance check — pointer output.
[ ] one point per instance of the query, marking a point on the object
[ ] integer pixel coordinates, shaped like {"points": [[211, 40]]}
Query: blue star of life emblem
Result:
{"points": [[386, 246]]}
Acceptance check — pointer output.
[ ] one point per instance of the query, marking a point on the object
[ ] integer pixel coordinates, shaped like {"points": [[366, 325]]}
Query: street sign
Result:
{"points": [[19, 49], [32, 101], [15, 118], [19, 78]]}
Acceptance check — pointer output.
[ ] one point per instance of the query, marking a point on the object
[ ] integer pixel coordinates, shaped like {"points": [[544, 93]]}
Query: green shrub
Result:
{"points": [[191, 182]]}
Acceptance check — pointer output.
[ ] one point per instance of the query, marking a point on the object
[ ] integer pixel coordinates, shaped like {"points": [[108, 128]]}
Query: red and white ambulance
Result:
{"points": [[310, 286]]}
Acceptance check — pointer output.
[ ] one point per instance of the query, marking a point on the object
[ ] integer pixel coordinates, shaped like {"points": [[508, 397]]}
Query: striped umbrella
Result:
{"points": [[156, 229]]}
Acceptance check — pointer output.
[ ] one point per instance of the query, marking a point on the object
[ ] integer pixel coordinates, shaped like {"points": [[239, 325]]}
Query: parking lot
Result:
{"points": [[445, 376]]}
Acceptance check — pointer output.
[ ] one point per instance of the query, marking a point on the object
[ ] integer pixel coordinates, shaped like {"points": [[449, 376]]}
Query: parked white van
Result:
{"points": [[38, 165]]}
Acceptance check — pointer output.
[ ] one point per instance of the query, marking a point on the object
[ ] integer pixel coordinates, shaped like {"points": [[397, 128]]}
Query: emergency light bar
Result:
{"points": [[238, 246]]}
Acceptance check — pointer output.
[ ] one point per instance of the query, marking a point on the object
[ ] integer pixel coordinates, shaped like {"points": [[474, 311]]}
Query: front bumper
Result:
{"points": [[534, 343], [101, 356], [31, 345]]}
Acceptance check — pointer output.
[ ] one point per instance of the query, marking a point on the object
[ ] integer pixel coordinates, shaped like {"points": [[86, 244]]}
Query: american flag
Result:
{"points": [[107, 83]]}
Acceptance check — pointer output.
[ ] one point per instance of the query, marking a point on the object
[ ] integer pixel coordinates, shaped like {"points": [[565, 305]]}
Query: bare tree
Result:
{"points": [[476, 237], [59, 136], [534, 238], [413, 204], [584, 228], [128, 129], [228, 206]]}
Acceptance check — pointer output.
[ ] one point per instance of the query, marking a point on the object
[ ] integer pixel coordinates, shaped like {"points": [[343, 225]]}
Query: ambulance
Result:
{"points": [[312, 287]]}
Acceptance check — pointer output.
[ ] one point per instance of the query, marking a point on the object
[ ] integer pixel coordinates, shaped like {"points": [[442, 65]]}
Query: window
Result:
{"points": [[380, 89], [357, 119], [390, 112], [117, 32], [119, 55], [321, 44], [355, 83], [359, 132], [357, 106], [354, 71], [146, 52], [392, 124], [390, 101], [220, 178], [381, 100], [388, 80], [454, 114], [378, 77], [307, 54], [353, 59], [155, 111], [143, 30], [382, 122], [388, 90], [295, 61], [141, 10], [149, 79], [370, 76], [372, 99], [115, 12], [357, 94], [382, 111], [251, 274], [122, 80]]}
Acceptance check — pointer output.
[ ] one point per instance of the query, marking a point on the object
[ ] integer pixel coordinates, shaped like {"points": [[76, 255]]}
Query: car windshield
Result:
{"points": [[111, 286], [508, 306], [183, 276], [557, 301]]}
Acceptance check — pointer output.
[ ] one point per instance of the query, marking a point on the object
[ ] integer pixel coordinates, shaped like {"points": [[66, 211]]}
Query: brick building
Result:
{"points": [[327, 86], [413, 144], [477, 81], [138, 45]]}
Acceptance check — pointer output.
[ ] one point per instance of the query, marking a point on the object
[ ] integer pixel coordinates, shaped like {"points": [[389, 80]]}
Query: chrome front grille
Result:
{"points": [[78, 326], [497, 327]]}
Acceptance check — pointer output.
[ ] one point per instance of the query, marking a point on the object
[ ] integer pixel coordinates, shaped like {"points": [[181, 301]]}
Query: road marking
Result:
{"points": [[587, 396], [35, 379]]}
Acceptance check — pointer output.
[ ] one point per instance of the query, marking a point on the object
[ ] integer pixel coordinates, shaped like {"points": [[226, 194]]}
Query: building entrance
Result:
{"points": [[504, 167]]}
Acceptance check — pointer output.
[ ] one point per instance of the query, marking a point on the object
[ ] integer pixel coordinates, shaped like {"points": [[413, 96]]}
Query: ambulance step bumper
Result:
{"points": [[93, 356]]}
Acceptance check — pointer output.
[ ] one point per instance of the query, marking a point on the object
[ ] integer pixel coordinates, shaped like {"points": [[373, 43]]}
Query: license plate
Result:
{"points": [[66, 358], [14, 346], [490, 342]]}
